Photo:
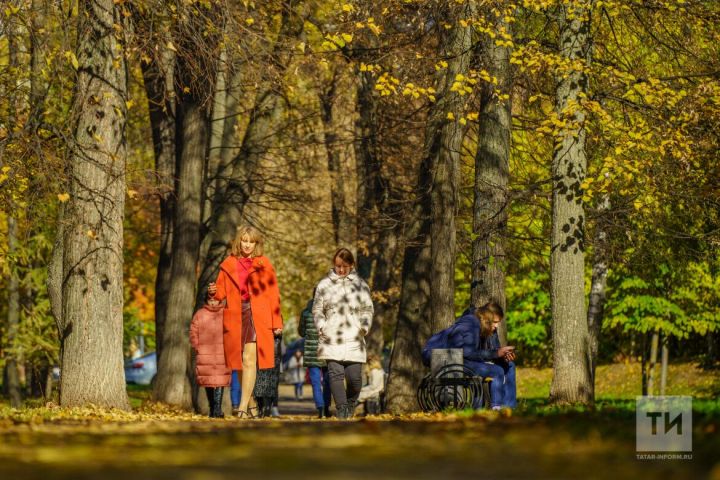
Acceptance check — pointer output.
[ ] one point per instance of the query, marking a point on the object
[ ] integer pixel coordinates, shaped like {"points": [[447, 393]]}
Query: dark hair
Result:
{"points": [[345, 255]]}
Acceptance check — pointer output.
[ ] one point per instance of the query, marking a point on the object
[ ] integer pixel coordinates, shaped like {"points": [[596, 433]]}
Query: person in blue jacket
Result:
{"points": [[476, 333]]}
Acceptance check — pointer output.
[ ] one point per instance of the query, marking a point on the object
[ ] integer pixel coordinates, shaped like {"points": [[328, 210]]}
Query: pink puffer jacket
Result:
{"points": [[206, 337]]}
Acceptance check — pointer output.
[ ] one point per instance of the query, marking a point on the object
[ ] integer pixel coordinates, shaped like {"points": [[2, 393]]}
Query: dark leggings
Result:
{"points": [[339, 372]]}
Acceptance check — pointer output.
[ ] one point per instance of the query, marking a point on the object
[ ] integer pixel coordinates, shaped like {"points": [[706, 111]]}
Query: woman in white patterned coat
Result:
{"points": [[343, 310]]}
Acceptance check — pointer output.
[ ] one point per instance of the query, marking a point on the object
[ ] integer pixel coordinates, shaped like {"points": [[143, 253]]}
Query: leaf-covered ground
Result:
{"points": [[534, 441]]}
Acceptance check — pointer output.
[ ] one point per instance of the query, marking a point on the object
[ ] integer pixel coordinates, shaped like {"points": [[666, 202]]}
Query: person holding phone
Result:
{"points": [[476, 333]]}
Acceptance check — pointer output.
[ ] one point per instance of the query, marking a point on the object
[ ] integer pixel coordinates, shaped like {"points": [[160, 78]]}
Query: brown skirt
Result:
{"points": [[248, 327]]}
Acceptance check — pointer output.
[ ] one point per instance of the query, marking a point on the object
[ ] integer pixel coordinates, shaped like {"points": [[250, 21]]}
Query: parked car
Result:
{"points": [[141, 370]]}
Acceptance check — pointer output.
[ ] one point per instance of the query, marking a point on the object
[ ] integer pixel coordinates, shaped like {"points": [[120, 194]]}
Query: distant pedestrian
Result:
{"points": [[296, 373], [206, 338], [317, 369], [343, 312], [375, 386]]}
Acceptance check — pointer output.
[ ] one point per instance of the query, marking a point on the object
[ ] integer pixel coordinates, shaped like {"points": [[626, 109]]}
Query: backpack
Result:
{"points": [[437, 340]]}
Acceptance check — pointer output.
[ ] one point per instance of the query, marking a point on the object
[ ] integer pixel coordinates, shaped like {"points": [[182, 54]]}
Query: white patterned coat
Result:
{"points": [[343, 312]]}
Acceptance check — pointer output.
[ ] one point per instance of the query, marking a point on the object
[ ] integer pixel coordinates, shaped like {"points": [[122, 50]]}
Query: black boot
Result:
{"points": [[326, 411], [260, 402], [217, 402], [267, 407], [321, 412], [210, 392]]}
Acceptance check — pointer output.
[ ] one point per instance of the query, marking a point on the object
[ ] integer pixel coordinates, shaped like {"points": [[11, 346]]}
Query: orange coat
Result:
{"points": [[264, 304]]}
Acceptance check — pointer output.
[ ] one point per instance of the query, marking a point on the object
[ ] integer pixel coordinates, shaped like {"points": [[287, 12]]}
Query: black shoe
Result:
{"points": [[326, 411]]}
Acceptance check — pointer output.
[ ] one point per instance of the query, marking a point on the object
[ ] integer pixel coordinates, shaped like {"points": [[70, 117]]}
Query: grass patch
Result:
{"points": [[624, 381]]}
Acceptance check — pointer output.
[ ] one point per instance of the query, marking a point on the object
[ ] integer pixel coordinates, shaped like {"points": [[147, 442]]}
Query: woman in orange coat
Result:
{"points": [[252, 316]]}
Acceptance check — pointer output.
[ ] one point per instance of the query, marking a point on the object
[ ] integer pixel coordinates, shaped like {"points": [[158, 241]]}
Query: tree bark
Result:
{"points": [[38, 38], [91, 313], [11, 385], [242, 181], [172, 385], [342, 218], [12, 376], [653, 361], [572, 379], [159, 88], [491, 202], [413, 328], [664, 364], [596, 306], [443, 144], [377, 219], [369, 175]]}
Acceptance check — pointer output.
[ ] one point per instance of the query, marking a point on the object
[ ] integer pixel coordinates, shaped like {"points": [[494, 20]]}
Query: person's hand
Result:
{"points": [[212, 289], [502, 351], [277, 331], [510, 356]]}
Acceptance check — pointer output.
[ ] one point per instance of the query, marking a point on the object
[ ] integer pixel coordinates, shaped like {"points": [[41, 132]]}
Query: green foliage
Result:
{"points": [[679, 302], [529, 316]]}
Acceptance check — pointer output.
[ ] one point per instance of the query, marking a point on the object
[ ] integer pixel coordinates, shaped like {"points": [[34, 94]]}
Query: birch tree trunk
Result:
{"points": [[572, 379], [491, 202], [596, 306], [90, 317]]}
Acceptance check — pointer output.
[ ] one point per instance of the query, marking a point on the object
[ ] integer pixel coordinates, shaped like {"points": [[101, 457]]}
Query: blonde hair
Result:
{"points": [[373, 361], [253, 234], [486, 318]]}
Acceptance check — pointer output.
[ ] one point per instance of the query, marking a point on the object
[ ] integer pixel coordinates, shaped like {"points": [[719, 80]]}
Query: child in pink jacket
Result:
{"points": [[206, 337]]}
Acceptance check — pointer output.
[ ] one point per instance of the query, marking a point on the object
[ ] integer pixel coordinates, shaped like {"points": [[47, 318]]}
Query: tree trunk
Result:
{"points": [[413, 326], [377, 220], [12, 376], [572, 380], [242, 181], [491, 202], [38, 38], [342, 218], [443, 144], [159, 88], [369, 173], [664, 364], [91, 288], [653, 361], [172, 385], [596, 306]]}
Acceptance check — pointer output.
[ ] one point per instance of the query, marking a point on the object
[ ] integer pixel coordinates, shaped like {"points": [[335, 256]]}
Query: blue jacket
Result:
{"points": [[465, 334]]}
